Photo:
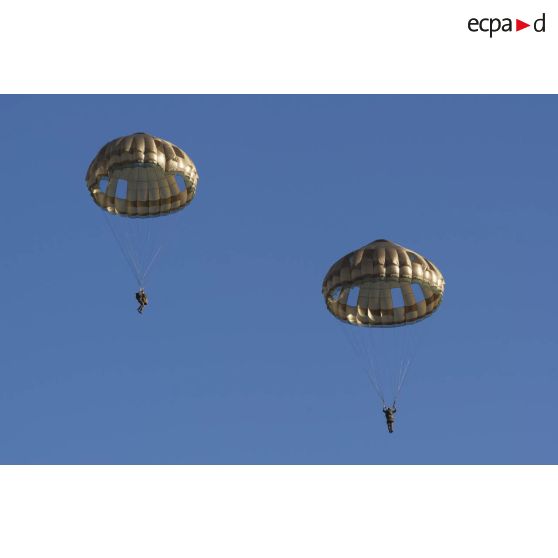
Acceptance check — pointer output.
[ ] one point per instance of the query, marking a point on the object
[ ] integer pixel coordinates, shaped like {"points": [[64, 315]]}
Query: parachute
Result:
{"points": [[381, 291], [137, 180]]}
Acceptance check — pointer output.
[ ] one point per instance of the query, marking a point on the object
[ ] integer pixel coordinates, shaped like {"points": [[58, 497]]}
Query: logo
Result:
{"points": [[493, 25]]}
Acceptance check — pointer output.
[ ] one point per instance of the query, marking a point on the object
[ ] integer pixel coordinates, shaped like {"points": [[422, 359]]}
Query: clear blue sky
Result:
{"points": [[236, 359]]}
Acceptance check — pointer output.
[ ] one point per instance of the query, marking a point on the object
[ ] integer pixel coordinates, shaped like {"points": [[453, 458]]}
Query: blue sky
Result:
{"points": [[236, 360]]}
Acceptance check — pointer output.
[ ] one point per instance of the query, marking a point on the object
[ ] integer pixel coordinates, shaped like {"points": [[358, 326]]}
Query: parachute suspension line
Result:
{"points": [[402, 377], [375, 347], [159, 235], [142, 235], [126, 237], [361, 351], [396, 350], [146, 253], [150, 265], [129, 236], [402, 350], [150, 255], [375, 368], [410, 350], [126, 254], [139, 246], [371, 350], [141, 241], [134, 234]]}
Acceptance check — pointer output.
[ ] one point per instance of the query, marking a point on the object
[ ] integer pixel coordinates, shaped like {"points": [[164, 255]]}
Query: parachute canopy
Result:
{"points": [[361, 287], [141, 176]]}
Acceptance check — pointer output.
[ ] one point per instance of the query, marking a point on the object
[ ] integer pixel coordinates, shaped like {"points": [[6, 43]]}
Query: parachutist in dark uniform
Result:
{"points": [[141, 297], [390, 419]]}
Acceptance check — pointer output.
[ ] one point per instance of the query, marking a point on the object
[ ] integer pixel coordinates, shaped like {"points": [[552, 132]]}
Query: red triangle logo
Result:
{"points": [[519, 25]]}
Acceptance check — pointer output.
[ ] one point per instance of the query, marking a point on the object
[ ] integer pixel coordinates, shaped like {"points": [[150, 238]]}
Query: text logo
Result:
{"points": [[493, 25]]}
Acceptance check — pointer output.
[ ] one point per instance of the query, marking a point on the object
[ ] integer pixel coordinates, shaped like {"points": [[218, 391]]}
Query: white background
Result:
{"points": [[273, 511], [251, 46], [286, 47]]}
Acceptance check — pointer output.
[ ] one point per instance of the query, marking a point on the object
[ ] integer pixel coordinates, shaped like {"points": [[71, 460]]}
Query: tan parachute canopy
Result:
{"points": [[148, 168], [372, 273]]}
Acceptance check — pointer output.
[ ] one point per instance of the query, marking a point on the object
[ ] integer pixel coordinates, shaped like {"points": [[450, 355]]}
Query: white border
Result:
{"points": [[272, 511], [296, 46]]}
